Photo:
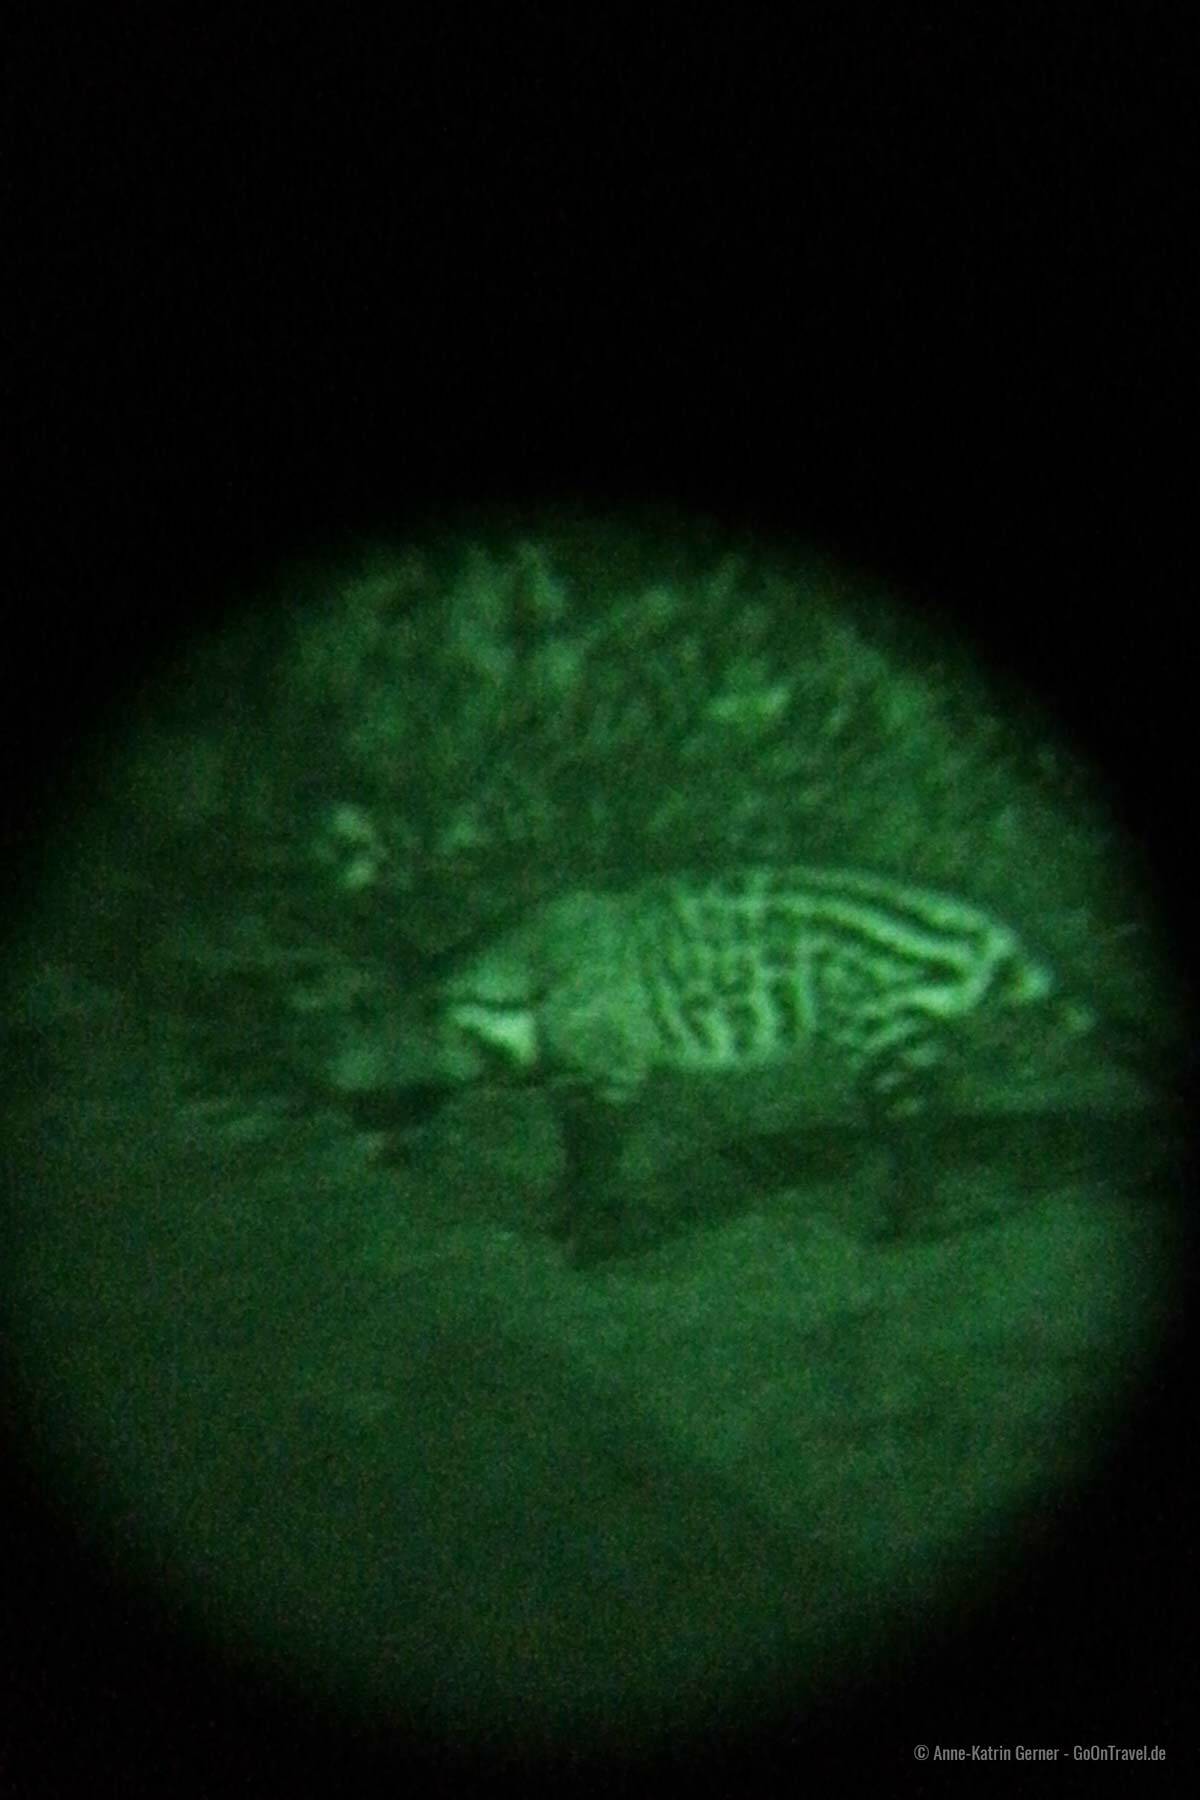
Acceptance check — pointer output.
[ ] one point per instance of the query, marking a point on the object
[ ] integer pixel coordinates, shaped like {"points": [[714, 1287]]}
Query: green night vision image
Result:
{"points": [[594, 1131]]}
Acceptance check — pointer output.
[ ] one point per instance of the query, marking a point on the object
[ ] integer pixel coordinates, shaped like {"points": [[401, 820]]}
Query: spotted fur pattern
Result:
{"points": [[751, 968]]}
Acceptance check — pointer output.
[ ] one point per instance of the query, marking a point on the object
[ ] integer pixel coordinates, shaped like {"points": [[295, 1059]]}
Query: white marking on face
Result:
{"points": [[511, 1030]]}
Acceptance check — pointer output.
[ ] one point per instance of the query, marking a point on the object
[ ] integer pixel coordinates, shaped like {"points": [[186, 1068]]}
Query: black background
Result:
{"points": [[912, 289]]}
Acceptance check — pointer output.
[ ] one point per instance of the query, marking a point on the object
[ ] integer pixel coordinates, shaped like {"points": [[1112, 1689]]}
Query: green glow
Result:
{"points": [[310, 1359]]}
